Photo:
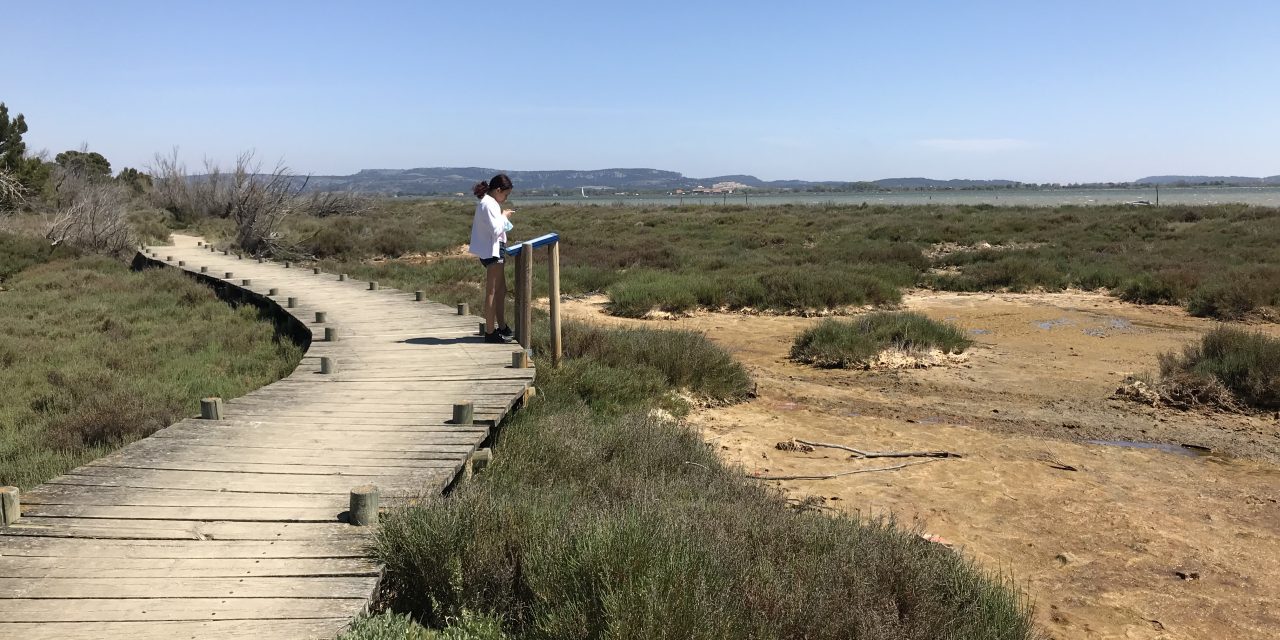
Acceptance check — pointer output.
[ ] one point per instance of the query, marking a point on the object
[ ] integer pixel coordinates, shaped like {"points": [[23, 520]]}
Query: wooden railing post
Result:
{"points": [[553, 299], [525, 286], [10, 505]]}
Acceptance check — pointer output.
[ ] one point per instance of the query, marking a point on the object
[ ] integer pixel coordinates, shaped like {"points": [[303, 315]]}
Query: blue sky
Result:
{"points": [[1032, 91]]}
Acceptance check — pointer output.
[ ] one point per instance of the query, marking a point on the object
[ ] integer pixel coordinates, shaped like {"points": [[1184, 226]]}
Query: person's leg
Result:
{"points": [[500, 310], [492, 279]]}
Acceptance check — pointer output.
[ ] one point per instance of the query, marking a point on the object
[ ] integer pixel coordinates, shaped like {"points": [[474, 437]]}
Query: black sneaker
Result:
{"points": [[496, 338], [506, 331]]}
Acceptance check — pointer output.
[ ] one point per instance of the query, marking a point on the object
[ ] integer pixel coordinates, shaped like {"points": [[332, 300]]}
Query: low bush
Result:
{"points": [[93, 356], [1245, 363], [393, 626], [852, 343], [1147, 289], [621, 524]]}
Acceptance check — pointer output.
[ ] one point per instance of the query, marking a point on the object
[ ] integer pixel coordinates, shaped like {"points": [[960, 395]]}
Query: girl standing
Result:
{"points": [[489, 242]]}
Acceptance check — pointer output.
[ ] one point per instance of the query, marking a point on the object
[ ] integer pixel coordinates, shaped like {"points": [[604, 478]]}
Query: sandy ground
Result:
{"points": [[1100, 549]]}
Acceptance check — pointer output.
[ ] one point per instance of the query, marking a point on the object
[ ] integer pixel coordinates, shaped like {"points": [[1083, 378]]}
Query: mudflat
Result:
{"points": [[1145, 538]]}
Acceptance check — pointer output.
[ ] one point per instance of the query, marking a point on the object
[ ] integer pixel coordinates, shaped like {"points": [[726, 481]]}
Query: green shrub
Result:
{"points": [[1246, 363], [1223, 300], [1146, 289], [852, 343], [392, 626]]}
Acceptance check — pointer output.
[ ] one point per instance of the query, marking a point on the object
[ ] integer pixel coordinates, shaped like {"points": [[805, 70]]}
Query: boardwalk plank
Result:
{"points": [[177, 630]]}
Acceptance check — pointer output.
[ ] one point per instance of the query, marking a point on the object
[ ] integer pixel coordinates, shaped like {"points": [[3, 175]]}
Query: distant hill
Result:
{"points": [[442, 180], [1224, 180]]}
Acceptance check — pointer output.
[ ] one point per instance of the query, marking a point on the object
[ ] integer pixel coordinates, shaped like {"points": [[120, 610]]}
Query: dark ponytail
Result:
{"points": [[496, 183]]}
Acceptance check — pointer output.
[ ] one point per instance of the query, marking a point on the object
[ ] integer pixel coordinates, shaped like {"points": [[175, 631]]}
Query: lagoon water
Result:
{"points": [[1262, 196]]}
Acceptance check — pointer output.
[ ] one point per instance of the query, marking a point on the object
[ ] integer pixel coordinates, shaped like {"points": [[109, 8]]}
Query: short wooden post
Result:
{"points": [[464, 309], [315, 270], [363, 510], [239, 256], [330, 334], [553, 281], [373, 286], [261, 260], [342, 277], [10, 505], [328, 365], [481, 330], [419, 296], [204, 269], [464, 413], [288, 264], [321, 317], [479, 459], [246, 282], [520, 359], [273, 292], [526, 301], [182, 263], [200, 243], [168, 258], [229, 275], [291, 303], [226, 252], [211, 408]]}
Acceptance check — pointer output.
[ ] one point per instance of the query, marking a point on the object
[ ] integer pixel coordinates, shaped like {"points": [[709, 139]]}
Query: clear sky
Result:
{"points": [[1032, 90]]}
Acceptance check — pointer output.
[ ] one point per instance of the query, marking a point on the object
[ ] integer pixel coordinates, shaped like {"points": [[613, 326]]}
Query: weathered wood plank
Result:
{"points": [[32, 568], [167, 609], [104, 528], [59, 548], [170, 630], [191, 587]]}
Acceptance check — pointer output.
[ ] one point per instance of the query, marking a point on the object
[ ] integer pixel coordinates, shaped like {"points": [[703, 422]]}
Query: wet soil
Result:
{"points": [[1158, 542]]}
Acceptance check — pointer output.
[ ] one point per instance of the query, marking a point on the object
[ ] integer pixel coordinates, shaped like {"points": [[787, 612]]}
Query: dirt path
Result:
{"points": [[1100, 549]]}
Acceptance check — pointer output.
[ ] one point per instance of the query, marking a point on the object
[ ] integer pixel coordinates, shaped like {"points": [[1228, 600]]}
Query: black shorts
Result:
{"points": [[498, 259]]}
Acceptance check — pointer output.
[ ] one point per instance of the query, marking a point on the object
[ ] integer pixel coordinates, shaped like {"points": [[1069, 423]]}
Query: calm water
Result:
{"points": [[1267, 196]]}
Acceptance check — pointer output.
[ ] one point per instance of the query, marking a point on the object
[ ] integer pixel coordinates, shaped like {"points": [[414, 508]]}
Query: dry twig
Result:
{"points": [[844, 473], [883, 454]]}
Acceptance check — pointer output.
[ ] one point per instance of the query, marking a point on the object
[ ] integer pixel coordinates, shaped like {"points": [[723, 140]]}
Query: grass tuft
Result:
{"points": [[1247, 364], [852, 343]]}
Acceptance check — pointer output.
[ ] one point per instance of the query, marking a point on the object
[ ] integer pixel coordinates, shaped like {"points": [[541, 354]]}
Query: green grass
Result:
{"points": [[393, 626], [93, 356], [853, 342], [1219, 261], [601, 519], [1246, 364]]}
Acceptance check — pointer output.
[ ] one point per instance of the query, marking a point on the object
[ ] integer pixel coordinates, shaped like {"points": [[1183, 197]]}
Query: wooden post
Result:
{"points": [[273, 292], [373, 286], [553, 282], [480, 331], [182, 263], [464, 413], [288, 264], [419, 296], [363, 511], [228, 275], [328, 365], [245, 283], [168, 258], [464, 309], [330, 334], [342, 277], [204, 269], [520, 359], [291, 303], [519, 318], [261, 260], [479, 459], [211, 408], [10, 505], [315, 270], [320, 317], [526, 301], [239, 256], [200, 243]]}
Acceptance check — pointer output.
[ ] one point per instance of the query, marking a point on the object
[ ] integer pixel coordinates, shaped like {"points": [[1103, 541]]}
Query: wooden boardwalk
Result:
{"points": [[232, 528]]}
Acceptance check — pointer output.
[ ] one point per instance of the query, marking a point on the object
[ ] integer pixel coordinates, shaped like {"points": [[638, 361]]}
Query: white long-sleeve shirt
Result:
{"points": [[487, 228]]}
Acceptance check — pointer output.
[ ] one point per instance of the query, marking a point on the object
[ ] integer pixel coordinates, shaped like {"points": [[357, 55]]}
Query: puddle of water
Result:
{"points": [[1191, 451], [980, 332], [1050, 324]]}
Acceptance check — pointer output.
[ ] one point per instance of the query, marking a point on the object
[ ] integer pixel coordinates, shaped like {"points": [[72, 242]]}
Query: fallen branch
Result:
{"points": [[845, 473], [883, 454]]}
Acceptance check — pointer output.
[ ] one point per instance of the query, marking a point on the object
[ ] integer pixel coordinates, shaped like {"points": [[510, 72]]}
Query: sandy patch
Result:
{"points": [[1154, 540]]}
